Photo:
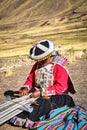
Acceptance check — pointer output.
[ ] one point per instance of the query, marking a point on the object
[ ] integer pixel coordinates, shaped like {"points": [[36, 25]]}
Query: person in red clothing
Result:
{"points": [[48, 80]]}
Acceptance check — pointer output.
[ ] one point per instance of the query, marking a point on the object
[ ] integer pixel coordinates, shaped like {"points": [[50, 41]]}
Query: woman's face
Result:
{"points": [[46, 62]]}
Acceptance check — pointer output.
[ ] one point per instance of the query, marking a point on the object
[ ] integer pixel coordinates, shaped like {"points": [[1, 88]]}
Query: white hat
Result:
{"points": [[42, 49]]}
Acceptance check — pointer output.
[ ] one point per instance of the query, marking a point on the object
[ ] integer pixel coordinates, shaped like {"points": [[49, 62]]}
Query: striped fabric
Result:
{"points": [[64, 118]]}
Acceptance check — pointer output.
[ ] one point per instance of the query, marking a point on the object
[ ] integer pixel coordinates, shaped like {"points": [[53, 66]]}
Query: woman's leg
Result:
{"points": [[43, 107], [62, 100]]}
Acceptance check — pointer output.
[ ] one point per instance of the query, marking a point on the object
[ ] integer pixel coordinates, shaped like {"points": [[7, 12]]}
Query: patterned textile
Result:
{"points": [[44, 78], [21, 122], [64, 118], [59, 59]]}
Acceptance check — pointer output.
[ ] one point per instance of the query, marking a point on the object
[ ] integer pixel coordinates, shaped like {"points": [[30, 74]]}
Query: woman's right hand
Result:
{"points": [[23, 92]]}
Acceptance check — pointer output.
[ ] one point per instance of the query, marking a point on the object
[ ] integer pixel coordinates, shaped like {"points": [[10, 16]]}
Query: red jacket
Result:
{"points": [[61, 80]]}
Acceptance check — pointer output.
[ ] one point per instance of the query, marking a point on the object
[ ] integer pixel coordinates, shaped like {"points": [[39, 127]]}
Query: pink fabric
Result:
{"points": [[31, 78], [60, 83]]}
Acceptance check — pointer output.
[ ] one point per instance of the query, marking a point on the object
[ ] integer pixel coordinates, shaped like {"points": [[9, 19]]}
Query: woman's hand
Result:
{"points": [[36, 94], [23, 92]]}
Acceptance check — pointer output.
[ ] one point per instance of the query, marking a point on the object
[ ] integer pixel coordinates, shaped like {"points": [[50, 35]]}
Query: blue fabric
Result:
{"points": [[64, 118]]}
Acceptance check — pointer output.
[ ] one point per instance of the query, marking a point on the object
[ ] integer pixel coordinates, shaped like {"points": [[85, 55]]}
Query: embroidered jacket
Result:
{"points": [[52, 79]]}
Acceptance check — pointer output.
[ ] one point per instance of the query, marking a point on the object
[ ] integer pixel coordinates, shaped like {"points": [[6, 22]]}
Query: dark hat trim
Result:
{"points": [[45, 43], [38, 51], [31, 50]]}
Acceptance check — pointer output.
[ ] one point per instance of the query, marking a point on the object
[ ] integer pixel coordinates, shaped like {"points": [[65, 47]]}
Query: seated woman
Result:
{"points": [[48, 80]]}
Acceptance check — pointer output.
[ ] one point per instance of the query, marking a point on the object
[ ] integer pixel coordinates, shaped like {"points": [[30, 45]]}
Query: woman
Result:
{"points": [[48, 81]]}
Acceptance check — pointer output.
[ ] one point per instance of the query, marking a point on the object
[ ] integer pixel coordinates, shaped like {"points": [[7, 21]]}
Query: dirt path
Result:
{"points": [[78, 72]]}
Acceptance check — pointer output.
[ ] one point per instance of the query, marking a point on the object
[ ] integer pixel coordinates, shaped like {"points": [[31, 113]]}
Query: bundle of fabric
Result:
{"points": [[63, 118]]}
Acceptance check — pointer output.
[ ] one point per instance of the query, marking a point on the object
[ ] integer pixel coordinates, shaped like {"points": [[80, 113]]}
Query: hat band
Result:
{"points": [[46, 57]]}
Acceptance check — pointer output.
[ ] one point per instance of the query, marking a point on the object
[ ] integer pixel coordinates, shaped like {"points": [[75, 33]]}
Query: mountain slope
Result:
{"points": [[23, 22], [25, 12]]}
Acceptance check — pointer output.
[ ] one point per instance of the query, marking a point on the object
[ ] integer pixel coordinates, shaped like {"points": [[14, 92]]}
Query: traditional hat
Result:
{"points": [[42, 50]]}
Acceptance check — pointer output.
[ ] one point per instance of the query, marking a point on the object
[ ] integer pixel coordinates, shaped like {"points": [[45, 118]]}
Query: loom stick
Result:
{"points": [[13, 100], [15, 106], [9, 116], [14, 110]]}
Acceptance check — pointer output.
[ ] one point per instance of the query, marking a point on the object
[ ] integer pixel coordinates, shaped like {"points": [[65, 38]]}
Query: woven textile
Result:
{"points": [[64, 118]]}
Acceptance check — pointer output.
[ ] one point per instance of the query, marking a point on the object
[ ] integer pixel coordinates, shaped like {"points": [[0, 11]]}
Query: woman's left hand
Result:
{"points": [[36, 94]]}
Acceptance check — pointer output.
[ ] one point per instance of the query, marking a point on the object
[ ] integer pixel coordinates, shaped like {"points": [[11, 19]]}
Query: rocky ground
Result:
{"points": [[78, 73]]}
